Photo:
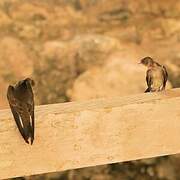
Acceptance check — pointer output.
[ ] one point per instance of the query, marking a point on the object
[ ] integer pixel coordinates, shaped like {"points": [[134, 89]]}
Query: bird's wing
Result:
{"points": [[149, 79], [14, 106], [165, 76]]}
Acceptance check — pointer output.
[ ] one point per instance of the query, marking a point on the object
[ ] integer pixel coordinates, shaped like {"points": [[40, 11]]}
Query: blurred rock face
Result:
{"points": [[118, 77], [61, 63], [79, 49]]}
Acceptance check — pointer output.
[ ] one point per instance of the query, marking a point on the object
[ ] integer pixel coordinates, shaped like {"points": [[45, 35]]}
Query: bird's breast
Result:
{"points": [[157, 79]]}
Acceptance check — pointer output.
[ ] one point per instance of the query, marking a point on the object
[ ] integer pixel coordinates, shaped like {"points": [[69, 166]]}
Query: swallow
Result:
{"points": [[21, 102], [156, 75]]}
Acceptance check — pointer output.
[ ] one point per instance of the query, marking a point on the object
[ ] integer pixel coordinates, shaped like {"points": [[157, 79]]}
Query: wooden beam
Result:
{"points": [[102, 131]]}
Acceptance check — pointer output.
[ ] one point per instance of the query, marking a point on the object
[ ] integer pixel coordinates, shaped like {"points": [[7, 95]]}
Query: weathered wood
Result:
{"points": [[102, 131]]}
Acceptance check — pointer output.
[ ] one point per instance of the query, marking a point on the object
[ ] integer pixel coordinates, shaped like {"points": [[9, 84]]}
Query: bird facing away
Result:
{"points": [[156, 75], [21, 101]]}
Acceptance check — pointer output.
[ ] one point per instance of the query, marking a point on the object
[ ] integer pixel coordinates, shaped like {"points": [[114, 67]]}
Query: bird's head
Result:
{"points": [[30, 81], [147, 61]]}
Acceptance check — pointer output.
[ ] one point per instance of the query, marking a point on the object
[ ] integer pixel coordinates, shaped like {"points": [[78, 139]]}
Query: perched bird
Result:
{"points": [[156, 75], [21, 101]]}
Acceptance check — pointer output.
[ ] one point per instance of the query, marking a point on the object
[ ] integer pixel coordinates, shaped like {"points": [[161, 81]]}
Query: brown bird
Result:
{"points": [[156, 75], [21, 101]]}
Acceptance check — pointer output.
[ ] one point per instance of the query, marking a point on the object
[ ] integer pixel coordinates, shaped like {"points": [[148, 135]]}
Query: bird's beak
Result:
{"points": [[139, 62]]}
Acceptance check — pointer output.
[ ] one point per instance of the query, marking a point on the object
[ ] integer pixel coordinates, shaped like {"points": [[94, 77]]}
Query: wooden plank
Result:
{"points": [[102, 131]]}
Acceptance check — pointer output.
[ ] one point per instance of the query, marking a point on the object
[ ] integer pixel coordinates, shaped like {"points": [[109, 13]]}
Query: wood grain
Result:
{"points": [[101, 131]]}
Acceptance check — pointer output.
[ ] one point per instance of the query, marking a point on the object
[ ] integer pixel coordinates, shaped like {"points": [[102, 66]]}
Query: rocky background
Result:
{"points": [[84, 49]]}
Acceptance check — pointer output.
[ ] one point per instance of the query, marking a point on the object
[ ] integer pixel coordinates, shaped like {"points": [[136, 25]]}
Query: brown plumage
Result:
{"points": [[21, 101], [156, 75]]}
